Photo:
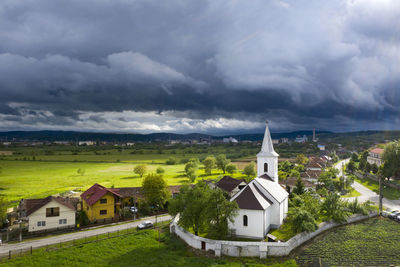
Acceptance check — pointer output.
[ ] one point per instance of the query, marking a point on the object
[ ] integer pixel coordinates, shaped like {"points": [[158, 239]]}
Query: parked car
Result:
{"points": [[145, 225], [394, 214], [134, 209]]}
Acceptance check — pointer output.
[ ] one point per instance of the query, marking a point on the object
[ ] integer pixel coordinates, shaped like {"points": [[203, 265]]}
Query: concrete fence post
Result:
{"points": [[218, 248]]}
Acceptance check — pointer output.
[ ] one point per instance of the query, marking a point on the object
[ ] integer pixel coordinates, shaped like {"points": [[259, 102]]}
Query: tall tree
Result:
{"points": [[222, 162], [334, 208], [140, 169], [301, 159], [191, 168], [209, 163], [3, 210], [391, 157], [299, 188], [231, 168], [155, 190], [250, 170]]}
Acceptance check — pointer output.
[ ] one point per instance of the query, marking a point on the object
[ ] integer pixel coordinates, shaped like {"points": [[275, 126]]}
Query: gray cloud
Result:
{"points": [[210, 66]]}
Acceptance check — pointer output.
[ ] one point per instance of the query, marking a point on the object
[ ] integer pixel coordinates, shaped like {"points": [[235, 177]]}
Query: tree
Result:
{"points": [[299, 168], [285, 166], [191, 204], [209, 163], [391, 157], [140, 169], [160, 170], [294, 173], [81, 171], [299, 187], [334, 208], [374, 168], [351, 166], [219, 211], [3, 210], [155, 190], [171, 161], [354, 157], [231, 168], [367, 168], [302, 221], [191, 168], [222, 162], [363, 160], [250, 170], [301, 159]]}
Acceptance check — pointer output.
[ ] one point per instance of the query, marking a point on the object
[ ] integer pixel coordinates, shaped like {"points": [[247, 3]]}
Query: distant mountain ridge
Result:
{"points": [[117, 137]]}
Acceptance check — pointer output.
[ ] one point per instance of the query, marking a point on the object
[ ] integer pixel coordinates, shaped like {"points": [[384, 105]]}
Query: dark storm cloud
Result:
{"points": [[211, 66]]}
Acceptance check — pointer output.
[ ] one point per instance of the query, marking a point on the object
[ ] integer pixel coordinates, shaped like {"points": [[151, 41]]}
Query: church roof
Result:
{"points": [[267, 149], [272, 188], [251, 198], [228, 183]]}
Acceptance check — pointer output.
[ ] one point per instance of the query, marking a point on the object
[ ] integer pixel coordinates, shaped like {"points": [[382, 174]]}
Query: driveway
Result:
{"points": [[367, 194], [25, 245]]}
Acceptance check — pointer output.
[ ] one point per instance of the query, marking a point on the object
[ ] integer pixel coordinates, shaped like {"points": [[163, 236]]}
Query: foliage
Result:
{"points": [[299, 188], [191, 168], [209, 164], [299, 168], [160, 170], [250, 170], [3, 210], [155, 190], [367, 167], [82, 218], [302, 221], [81, 171], [333, 208], [354, 157], [351, 166], [222, 162], [391, 157], [294, 173], [301, 159], [374, 168], [231, 168], [307, 202], [171, 161], [143, 207], [361, 208], [285, 166], [140, 169]]}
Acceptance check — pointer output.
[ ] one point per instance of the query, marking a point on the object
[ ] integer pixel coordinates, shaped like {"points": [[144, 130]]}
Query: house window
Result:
{"points": [[244, 220], [52, 212], [265, 167], [103, 212], [103, 201], [41, 223], [62, 221]]}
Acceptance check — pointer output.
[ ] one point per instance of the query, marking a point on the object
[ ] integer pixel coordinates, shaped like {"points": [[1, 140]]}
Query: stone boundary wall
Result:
{"points": [[374, 178], [255, 249]]}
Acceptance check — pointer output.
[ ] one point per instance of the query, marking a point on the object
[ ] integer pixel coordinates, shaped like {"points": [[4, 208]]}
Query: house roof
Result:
{"points": [[377, 150], [228, 183], [272, 188], [266, 176], [95, 192], [32, 205], [251, 198], [311, 174], [292, 182]]}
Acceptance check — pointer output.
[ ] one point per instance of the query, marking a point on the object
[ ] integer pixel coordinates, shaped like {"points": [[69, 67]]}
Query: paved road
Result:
{"points": [[4, 249], [367, 194]]}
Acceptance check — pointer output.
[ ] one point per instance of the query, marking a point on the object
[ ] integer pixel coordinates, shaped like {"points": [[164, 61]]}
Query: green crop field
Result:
{"points": [[139, 249], [34, 173], [375, 242]]}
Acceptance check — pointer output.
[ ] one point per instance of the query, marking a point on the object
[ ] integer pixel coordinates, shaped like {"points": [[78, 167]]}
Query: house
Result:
{"points": [[375, 156], [301, 139], [48, 213], [230, 140], [290, 183], [230, 185], [86, 143], [6, 153], [263, 203], [101, 203]]}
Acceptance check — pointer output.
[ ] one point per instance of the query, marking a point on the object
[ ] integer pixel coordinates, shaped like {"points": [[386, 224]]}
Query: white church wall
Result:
{"points": [[254, 228], [272, 166]]}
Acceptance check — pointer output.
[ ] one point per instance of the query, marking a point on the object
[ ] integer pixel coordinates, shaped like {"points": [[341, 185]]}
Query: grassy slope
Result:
{"points": [[140, 249]]}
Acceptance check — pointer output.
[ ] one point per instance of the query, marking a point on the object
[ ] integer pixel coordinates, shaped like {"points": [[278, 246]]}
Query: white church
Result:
{"points": [[263, 203]]}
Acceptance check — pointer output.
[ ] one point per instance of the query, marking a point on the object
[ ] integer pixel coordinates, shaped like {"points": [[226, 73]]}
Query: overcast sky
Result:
{"points": [[212, 66]]}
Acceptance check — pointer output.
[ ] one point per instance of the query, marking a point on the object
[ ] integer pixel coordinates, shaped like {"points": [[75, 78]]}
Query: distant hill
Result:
{"points": [[116, 137]]}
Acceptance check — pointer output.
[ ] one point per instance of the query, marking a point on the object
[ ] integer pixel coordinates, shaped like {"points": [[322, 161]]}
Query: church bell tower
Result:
{"points": [[267, 158]]}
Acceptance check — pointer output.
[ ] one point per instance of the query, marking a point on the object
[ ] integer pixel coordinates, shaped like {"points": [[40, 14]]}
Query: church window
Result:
{"points": [[244, 220], [265, 167]]}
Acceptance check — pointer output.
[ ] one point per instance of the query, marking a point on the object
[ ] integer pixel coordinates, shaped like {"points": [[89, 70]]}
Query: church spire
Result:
{"points": [[267, 148]]}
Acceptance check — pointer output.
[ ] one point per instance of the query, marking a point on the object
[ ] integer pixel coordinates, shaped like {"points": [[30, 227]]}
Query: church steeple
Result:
{"points": [[267, 158]]}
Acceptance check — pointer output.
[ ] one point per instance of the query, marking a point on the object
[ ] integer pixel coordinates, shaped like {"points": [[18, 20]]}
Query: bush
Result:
{"points": [[171, 161], [160, 170], [82, 218]]}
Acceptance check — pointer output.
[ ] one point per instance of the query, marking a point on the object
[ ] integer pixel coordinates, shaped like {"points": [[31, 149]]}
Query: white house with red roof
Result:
{"points": [[263, 203], [375, 156]]}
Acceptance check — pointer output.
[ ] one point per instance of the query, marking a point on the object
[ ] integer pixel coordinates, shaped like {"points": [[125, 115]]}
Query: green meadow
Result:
{"points": [[39, 172]]}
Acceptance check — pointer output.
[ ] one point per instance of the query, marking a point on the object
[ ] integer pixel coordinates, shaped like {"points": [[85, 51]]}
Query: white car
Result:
{"points": [[145, 225], [133, 209]]}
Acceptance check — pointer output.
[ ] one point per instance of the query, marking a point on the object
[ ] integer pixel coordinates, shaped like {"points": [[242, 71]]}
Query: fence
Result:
{"points": [[374, 178], [72, 243], [255, 249]]}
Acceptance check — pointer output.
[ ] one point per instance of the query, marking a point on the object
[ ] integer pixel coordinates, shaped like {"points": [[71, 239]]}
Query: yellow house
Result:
{"points": [[101, 204]]}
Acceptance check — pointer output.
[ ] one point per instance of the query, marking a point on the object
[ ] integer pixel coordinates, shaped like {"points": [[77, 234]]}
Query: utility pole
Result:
{"points": [[380, 195]]}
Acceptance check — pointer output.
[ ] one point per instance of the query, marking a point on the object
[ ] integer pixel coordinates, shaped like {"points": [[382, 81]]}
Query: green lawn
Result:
{"points": [[139, 249], [375, 242], [352, 193], [388, 192]]}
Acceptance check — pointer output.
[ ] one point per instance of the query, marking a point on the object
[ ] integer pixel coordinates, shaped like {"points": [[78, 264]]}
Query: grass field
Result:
{"points": [[375, 242], [23, 177], [139, 249]]}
